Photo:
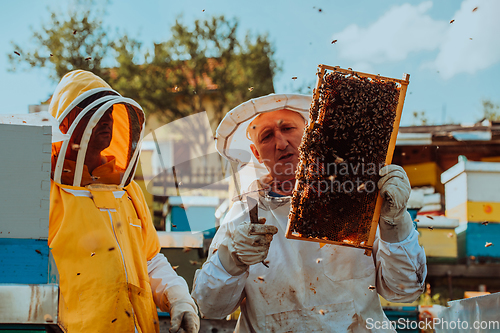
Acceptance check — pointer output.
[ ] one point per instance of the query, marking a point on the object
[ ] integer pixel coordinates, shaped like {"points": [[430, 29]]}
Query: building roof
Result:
{"points": [[451, 134]]}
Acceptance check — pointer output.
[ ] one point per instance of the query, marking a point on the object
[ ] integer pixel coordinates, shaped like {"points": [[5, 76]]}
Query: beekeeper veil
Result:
{"points": [[233, 143], [80, 101]]}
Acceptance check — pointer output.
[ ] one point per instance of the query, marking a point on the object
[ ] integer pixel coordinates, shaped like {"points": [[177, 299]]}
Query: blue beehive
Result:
{"points": [[473, 198], [472, 239], [193, 214]]}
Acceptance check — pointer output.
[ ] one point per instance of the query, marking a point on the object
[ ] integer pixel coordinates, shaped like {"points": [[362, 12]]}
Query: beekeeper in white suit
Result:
{"points": [[307, 287]]}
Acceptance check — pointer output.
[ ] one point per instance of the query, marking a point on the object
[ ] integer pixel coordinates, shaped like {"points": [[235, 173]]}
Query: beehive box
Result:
{"points": [[28, 299], [425, 174], [24, 203], [351, 134], [437, 236], [472, 191]]}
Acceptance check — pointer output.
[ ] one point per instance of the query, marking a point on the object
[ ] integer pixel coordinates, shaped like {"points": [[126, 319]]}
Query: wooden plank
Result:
{"points": [[469, 271], [24, 261], [404, 81]]}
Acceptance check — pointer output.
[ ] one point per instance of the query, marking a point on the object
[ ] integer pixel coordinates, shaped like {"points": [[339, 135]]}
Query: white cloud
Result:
{"points": [[460, 54], [401, 30]]}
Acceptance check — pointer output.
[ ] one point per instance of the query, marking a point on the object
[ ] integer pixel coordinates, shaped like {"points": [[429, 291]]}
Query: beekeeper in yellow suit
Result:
{"points": [[105, 246]]}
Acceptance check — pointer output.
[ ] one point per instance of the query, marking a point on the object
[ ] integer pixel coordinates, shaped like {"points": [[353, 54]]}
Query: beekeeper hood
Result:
{"points": [[82, 96], [231, 138]]}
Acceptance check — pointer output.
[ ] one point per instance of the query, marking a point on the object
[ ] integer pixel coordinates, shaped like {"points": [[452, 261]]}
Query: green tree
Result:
{"points": [[75, 40], [200, 68], [491, 111], [419, 119]]}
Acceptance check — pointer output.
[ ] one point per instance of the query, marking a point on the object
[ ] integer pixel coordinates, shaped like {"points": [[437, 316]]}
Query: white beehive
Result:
{"points": [[472, 191]]}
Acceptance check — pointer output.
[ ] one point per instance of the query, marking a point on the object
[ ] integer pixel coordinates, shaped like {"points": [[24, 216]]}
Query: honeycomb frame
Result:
{"points": [[317, 114]]}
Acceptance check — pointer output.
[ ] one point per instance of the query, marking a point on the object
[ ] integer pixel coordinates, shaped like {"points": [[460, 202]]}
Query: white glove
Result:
{"points": [[395, 222], [183, 319], [171, 294], [248, 245]]}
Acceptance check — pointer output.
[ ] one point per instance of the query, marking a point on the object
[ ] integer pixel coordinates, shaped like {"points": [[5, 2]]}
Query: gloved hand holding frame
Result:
{"points": [[351, 134]]}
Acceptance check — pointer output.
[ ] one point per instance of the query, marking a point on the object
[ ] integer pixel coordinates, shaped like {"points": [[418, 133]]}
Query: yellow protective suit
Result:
{"points": [[101, 235]]}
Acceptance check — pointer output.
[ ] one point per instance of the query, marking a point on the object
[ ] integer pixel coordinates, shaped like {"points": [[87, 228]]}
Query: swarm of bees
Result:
{"points": [[342, 151]]}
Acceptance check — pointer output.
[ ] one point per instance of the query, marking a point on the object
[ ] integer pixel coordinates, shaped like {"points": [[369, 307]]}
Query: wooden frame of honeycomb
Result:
{"points": [[354, 121]]}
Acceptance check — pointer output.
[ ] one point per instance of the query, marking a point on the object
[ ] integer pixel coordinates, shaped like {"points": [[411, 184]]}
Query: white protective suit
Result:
{"points": [[307, 288]]}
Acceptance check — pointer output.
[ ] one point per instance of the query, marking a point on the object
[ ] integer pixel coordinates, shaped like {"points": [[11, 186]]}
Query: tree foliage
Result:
{"points": [[203, 67], [419, 119], [77, 40], [491, 111], [198, 68]]}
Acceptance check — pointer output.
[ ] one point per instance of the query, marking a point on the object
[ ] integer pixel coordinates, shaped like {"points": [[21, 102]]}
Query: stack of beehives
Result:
{"points": [[472, 197]]}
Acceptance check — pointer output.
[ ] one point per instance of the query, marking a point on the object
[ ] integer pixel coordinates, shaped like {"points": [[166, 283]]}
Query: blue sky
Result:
{"points": [[452, 66]]}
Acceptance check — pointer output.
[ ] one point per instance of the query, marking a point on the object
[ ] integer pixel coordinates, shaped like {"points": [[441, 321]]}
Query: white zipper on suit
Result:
{"points": [[118, 243]]}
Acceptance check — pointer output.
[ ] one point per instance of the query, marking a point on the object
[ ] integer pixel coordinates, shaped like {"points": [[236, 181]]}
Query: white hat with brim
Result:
{"points": [[231, 139]]}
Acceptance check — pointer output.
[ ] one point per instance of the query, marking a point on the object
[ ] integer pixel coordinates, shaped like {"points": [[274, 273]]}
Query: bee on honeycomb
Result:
{"points": [[342, 150]]}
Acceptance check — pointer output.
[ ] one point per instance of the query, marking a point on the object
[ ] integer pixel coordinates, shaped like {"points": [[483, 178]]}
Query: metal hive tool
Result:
{"points": [[351, 134]]}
